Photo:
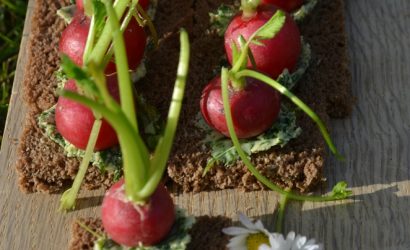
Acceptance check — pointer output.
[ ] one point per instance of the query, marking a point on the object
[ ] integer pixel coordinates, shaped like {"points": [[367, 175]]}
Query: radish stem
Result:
{"points": [[136, 176], [90, 41], [127, 100], [295, 100], [249, 8], [124, 25], [103, 42], [86, 228], [228, 116], [149, 23], [67, 201], [281, 213], [163, 149], [134, 159]]}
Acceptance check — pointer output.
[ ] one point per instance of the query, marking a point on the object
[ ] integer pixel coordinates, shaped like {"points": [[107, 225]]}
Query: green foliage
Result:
{"points": [[340, 191], [100, 14], [12, 14], [270, 28], [221, 17], [82, 78], [288, 79], [223, 150], [304, 11]]}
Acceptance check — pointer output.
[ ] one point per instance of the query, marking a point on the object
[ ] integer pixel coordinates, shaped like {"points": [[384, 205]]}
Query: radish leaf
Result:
{"points": [[67, 13], [289, 80], [82, 78], [235, 51], [340, 190], [99, 15], [267, 31], [270, 28], [304, 11], [220, 19]]}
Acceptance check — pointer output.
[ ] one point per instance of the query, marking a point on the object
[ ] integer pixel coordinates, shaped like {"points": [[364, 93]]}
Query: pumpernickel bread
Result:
{"points": [[42, 166], [205, 234]]}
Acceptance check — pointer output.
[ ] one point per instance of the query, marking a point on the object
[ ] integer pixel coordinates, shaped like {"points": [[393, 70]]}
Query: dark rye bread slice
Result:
{"points": [[325, 88], [43, 167], [206, 233]]}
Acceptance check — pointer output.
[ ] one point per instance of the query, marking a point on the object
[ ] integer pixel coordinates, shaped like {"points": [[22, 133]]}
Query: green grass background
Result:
{"points": [[12, 14]]}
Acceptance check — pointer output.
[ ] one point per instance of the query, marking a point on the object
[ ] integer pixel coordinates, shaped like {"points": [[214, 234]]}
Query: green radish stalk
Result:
{"points": [[97, 53], [138, 209], [238, 75]]}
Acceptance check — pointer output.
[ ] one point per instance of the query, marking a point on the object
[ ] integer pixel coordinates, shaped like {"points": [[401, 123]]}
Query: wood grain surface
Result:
{"points": [[375, 141]]}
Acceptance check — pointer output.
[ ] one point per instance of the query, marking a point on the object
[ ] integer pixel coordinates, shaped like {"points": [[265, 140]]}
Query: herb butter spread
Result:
{"points": [[221, 18], [109, 159]]}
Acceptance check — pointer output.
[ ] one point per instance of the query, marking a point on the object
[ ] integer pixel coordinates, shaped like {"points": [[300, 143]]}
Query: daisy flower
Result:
{"points": [[250, 237], [254, 236], [292, 242]]}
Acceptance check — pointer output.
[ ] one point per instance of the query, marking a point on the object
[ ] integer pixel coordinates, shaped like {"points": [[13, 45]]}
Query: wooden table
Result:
{"points": [[376, 141]]}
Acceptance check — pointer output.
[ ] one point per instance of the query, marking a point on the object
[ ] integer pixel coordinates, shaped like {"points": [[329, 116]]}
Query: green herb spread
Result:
{"points": [[221, 18], [109, 159]]}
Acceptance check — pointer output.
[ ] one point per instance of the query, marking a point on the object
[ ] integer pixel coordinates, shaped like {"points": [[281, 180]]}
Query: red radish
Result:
{"points": [[286, 5], [135, 41], [74, 38], [276, 54], [254, 108], [75, 121], [80, 4], [130, 224]]}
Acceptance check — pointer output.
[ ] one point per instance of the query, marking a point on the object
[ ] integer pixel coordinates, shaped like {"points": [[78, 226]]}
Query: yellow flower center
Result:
{"points": [[254, 241]]}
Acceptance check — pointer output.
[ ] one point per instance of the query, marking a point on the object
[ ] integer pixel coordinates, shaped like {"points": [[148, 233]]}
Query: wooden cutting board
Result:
{"points": [[375, 141]]}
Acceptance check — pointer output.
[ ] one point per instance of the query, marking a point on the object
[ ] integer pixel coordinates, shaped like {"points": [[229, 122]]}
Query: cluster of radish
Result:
{"points": [[255, 106], [96, 110], [261, 41], [74, 122]]}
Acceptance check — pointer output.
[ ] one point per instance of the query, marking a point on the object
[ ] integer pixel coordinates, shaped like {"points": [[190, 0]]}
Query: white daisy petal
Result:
{"points": [[242, 234], [277, 241], [246, 221], [236, 247], [259, 225], [264, 247], [291, 236], [292, 242], [310, 242], [299, 242], [237, 242], [236, 231]]}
